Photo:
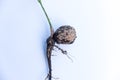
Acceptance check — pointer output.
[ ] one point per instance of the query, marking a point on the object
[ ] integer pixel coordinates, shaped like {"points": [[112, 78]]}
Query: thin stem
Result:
{"points": [[51, 28]]}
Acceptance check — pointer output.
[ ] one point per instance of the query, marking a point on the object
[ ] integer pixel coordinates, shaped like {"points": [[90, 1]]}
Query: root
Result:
{"points": [[64, 52], [47, 77]]}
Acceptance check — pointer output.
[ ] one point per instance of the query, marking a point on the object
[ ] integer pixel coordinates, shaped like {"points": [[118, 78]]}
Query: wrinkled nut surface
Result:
{"points": [[65, 35]]}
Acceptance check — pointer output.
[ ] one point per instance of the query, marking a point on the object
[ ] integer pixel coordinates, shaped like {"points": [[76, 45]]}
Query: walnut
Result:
{"points": [[65, 35]]}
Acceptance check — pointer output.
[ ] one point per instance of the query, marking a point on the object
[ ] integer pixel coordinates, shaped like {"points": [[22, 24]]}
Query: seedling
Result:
{"points": [[63, 35]]}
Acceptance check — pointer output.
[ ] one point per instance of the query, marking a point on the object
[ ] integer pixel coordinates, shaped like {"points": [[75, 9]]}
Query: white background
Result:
{"points": [[24, 29]]}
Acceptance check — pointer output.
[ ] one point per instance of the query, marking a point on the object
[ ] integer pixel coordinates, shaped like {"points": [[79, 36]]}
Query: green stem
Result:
{"points": [[51, 28]]}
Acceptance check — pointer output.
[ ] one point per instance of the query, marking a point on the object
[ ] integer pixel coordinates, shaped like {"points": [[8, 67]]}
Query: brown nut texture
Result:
{"points": [[64, 35]]}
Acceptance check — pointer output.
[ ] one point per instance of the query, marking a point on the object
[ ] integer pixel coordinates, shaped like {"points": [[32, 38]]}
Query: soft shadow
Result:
{"points": [[2, 77]]}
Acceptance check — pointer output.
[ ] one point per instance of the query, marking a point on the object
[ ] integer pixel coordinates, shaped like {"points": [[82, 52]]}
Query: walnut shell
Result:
{"points": [[65, 35]]}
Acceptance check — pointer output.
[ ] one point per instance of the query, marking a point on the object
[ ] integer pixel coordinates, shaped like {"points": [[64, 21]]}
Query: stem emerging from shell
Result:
{"points": [[51, 28]]}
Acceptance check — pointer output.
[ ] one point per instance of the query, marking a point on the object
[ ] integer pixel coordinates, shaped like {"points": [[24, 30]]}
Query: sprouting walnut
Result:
{"points": [[64, 35]]}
